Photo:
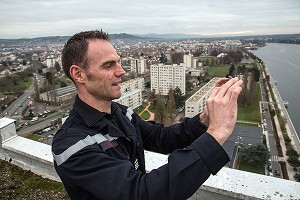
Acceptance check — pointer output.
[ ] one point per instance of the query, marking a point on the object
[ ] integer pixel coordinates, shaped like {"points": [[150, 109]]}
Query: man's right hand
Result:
{"points": [[222, 108]]}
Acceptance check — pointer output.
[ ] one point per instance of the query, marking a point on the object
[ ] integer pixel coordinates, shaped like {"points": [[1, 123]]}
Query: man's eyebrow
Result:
{"points": [[109, 62]]}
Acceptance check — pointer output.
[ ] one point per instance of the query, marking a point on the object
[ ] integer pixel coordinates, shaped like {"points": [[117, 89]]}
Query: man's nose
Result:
{"points": [[120, 71]]}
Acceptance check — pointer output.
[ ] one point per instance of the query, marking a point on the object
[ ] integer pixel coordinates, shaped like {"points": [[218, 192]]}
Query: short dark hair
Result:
{"points": [[75, 50]]}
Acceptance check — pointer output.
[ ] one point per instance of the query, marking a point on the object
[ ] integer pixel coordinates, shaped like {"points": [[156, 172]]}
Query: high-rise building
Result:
{"points": [[138, 66], [188, 60], [132, 93], [166, 77]]}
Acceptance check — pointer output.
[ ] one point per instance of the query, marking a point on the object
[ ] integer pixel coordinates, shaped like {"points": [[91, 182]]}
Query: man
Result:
{"points": [[99, 150]]}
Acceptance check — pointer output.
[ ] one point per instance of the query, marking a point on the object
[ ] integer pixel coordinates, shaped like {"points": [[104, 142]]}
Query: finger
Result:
{"points": [[221, 81], [226, 86], [214, 92], [235, 93], [230, 90]]}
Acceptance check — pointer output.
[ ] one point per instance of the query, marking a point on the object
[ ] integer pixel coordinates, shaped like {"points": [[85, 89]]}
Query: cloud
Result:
{"points": [[33, 18]]}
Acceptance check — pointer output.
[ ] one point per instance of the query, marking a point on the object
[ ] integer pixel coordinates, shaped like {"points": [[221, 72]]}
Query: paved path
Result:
{"points": [[151, 118]]}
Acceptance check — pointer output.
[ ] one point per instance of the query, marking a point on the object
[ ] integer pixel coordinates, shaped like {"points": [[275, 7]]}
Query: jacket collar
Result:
{"points": [[93, 117], [89, 114]]}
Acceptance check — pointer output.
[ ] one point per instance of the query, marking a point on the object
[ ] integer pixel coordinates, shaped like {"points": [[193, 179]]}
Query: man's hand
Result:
{"points": [[203, 117], [222, 108]]}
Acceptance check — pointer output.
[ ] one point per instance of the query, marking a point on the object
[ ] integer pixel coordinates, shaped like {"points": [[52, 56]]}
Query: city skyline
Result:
{"points": [[33, 18]]}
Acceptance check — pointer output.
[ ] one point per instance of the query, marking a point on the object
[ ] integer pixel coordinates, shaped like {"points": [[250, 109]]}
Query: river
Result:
{"points": [[283, 63]]}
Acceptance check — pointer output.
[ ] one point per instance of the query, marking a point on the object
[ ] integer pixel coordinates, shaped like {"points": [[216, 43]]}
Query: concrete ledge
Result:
{"points": [[37, 157], [30, 155], [238, 184]]}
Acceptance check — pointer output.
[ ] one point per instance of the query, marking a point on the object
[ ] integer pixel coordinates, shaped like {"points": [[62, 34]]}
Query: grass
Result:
{"points": [[145, 115], [251, 113], [249, 168], [139, 109], [220, 71], [34, 137], [17, 183], [151, 108], [11, 87]]}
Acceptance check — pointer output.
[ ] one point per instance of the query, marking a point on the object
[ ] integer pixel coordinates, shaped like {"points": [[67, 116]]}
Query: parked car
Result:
{"points": [[269, 167], [34, 119], [27, 123]]}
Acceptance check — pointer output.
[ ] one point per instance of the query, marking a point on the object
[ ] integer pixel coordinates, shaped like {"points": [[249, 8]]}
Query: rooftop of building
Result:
{"points": [[227, 184], [202, 91]]}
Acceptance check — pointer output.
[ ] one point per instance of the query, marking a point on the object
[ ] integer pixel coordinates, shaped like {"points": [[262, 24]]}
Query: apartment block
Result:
{"points": [[137, 83], [188, 60], [131, 98], [59, 95], [166, 77], [196, 103], [132, 93], [232, 45], [138, 66]]}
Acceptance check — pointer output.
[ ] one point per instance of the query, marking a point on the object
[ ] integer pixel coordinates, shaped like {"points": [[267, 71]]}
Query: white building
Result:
{"points": [[128, 88], [166, 77], [188, 61], [50, 61], [232, 45], [59, 95], [132, 93], [132, 98], [138, 66], [197, 102]]}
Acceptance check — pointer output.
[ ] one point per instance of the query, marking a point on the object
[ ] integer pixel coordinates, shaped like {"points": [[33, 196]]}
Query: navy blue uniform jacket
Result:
{"points": [[101, 156]]}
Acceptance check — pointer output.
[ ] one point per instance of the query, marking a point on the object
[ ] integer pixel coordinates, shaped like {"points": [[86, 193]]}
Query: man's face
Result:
{"points": [[104, 71]]}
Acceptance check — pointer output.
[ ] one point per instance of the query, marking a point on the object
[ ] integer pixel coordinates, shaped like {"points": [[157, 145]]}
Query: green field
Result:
{"points": [[8, 86], [220, 71], [246, 167]]}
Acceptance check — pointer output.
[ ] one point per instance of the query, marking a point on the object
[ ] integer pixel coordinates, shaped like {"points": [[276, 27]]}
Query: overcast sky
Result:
{"points": [[36, 18]]}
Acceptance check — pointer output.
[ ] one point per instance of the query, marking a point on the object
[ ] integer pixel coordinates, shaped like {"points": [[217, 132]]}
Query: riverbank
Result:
{"points": [[276, 100]]}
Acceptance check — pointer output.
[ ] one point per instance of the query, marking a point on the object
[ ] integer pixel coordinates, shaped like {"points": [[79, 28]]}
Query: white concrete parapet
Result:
{"points": [[37, 157]]}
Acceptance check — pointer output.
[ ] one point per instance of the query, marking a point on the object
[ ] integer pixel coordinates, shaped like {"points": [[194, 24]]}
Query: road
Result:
{"points": [[269, 131]]}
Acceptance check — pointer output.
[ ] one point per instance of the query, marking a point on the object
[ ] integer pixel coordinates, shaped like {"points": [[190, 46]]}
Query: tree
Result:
{"points": [[179, 98], [297, 177], [256, 155], [177, 58], [188, 85], [231, 70], [256, 73], [159, 109], [23, 62], [241, 69], [163, 58], [4, 63], [49, 77], [292, 152], [57, 66], [153, 97], [171, 101], [243, 98], [294, 161], [63, 84]]}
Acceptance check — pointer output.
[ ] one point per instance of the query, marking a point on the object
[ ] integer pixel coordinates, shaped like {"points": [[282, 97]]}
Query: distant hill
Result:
{"points": [[62, 39], [279, 38], [171, 36]]}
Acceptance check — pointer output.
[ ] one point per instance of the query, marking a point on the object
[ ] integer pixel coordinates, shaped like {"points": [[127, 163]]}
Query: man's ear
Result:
{"points": [[77, 73]]}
